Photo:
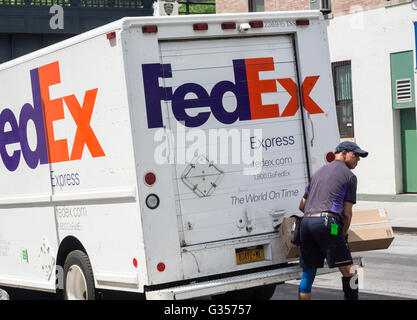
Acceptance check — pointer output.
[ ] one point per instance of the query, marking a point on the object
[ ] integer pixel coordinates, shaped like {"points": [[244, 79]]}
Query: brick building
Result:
{"points": [[372, 49], [339, 7]]}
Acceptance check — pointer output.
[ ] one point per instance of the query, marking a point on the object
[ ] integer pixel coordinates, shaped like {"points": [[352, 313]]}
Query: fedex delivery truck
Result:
{"points": [[159, 155]]}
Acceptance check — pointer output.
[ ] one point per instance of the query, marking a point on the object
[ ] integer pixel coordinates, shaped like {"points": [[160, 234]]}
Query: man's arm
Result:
{"points": [[304, 199], [302, 204], [349, 201], [347, 216]]}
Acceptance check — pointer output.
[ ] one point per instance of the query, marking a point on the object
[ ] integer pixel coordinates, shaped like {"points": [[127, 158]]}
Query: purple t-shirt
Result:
{"points": [[330, 187]]}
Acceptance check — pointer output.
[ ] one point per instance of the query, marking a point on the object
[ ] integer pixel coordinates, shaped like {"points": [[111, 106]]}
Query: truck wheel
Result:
{"points": [[78, 277], [265, 292], [242, 294], [256, 293]]}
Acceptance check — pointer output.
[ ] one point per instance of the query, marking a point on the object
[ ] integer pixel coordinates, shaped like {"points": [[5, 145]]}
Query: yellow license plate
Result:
{"points": [[246, 255]]}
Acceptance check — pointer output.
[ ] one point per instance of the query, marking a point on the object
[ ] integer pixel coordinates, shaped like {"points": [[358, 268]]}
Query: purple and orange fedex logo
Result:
{"points": [[247, 89], [43, 112]]}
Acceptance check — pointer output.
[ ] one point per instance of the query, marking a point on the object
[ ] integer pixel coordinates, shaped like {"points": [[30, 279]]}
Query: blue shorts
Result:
{"points": [[317, 244]]}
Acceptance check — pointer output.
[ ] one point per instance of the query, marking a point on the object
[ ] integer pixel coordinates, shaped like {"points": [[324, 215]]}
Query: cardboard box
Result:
{"points": [[370, 230], [285, 229]]}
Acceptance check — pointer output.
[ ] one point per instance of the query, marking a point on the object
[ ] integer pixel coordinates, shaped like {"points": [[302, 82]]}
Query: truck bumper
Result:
{"points": [[224, 285]]}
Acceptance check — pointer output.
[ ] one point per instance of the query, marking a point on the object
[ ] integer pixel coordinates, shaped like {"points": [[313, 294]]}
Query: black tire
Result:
{"points": [[256, 293], [243, 294], [77, 263], [265, 292]]}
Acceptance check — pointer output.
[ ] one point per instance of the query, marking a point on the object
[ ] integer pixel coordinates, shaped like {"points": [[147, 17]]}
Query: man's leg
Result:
{"points": [[350, 282], [307, 279], [311, 256]]}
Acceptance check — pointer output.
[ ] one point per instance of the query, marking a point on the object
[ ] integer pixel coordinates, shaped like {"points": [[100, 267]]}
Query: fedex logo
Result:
{"points": [[43, 112], [247, 89]]}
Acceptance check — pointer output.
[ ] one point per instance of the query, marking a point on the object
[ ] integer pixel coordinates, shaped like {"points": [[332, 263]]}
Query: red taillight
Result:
{"points": [[228, 25], [135, 262], [160, 266], [150, 178], [111, 35], [150, 29], [200, 26], [302, 22], [256, 24], [330, 156]]}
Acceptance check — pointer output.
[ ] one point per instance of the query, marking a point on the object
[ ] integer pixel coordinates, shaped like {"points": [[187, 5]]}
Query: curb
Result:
{"points": [[405, 229]]}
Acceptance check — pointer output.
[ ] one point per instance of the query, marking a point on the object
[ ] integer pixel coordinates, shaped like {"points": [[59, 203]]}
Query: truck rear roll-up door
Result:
{"points": [[237, 96]]}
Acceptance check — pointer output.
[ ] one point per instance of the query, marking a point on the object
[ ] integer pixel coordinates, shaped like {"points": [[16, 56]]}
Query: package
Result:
{"points": [[285, 230], [370, 230]]}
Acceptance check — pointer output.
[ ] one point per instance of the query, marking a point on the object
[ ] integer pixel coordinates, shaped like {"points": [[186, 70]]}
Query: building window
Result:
{"points": [[256, 5], [342, 81]]}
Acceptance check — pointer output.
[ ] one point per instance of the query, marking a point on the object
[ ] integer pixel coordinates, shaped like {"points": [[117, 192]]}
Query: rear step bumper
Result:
{"points": [[218, 286]]}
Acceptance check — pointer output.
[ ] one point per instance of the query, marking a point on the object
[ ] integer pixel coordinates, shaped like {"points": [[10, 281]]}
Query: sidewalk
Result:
{"points": [[403, 215]]}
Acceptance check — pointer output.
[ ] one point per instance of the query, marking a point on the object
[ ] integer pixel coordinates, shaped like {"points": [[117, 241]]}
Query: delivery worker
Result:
{"points": [[327, 207]]}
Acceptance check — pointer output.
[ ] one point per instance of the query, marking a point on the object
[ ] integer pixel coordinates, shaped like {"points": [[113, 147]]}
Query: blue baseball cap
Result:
{"points": [[351, 146]]}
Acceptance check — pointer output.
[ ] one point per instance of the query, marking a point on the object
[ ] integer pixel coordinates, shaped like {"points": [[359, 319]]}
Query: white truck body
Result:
{"points": [[83, 121]]}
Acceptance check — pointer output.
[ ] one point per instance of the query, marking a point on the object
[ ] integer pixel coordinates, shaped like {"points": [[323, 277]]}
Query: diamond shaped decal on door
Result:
{"points": [[202, 176]]}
